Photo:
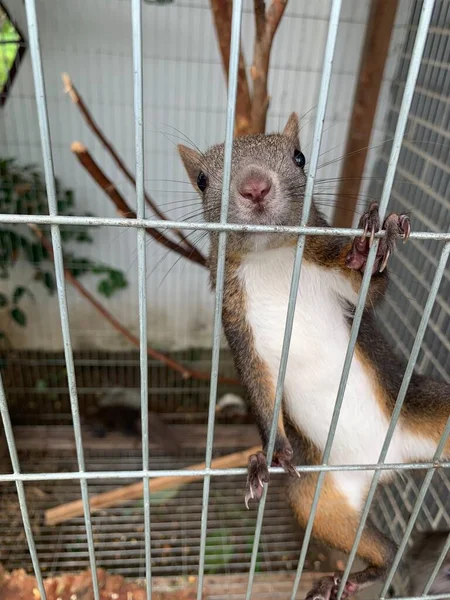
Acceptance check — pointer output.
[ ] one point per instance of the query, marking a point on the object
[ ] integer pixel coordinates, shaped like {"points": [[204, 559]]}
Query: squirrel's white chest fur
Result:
{"points": [[318, 345]]}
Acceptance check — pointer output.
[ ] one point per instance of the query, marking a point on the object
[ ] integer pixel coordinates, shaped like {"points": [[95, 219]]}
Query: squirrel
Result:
{"points": [[421, 560], [267, 188]]}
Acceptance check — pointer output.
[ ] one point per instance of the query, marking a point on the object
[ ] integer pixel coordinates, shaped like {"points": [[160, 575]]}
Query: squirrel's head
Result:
{"points": [[267, 179]]}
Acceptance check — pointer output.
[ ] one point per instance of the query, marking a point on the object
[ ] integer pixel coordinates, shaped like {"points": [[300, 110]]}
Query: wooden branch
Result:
{"points": [[266, 24], [274, 14], [260, 18], [376, 47], [185, 372], [135, 491], [221, 10], [82, 153], [74, 95]]}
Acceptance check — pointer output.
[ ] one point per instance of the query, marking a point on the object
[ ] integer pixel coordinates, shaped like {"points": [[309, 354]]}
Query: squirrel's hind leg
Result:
{"points": [[335, 524]]}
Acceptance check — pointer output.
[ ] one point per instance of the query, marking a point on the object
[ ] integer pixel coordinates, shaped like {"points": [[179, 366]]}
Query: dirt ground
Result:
{"points": [[17, 585]]}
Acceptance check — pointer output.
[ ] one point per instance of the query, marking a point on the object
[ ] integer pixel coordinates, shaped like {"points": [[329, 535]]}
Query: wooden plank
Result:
{"points": [[222, 587], [60, 438], [133, 491], [378, 36], [268, 586]]}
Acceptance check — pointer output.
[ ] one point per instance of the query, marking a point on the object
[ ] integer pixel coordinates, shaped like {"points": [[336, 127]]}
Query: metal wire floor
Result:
{"points": [[176, 515], [119, 531]]}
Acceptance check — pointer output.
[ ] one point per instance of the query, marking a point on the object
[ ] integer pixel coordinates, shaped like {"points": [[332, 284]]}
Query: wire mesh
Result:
{"points": [[215, 528]]}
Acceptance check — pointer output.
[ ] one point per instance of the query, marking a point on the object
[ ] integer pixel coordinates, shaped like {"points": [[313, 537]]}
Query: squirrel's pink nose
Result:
{"points": [[255, 188]]}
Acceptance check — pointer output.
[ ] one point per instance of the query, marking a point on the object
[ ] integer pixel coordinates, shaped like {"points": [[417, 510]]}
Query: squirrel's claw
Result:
{"points": [[395, 226], [258, 472], [257, 476], [405, 226], [284, 459]]}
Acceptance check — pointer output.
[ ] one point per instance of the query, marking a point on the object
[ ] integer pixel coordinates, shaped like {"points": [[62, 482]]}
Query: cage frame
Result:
{"points": [[56, 222]]}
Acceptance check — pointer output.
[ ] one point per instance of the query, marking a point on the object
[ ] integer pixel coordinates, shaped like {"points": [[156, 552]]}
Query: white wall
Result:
{"points": [[184, 89]]}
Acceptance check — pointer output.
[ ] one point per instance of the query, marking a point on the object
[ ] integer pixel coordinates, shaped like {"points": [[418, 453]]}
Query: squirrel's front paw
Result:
{"points": [[257, 476], [395, 225], [283, 458], [258, 472]]}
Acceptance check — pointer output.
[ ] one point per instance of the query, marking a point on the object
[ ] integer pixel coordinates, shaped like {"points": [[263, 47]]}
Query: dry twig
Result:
{"points": [[74, 95], [266, 25], [251, 109], [221, 10], [82, 153], [185, 372]]}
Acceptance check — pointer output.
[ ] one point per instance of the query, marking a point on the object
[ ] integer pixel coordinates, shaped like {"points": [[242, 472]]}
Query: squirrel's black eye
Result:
{"points": [[202, 181], [299, 158]]}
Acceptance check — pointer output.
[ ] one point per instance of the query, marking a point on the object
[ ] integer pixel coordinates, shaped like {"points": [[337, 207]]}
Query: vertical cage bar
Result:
{"points": [[437, 566], [222, 240], [136, 17], [359, 309], [296, 272], [20, 489], [44, 130], [417, 506], [398, 406]]}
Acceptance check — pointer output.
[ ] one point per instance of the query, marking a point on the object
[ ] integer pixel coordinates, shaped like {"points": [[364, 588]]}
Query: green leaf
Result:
{"points": [[41, 384], [157, 498], [15, 240], [68, 197], [3, 300], [114, 282], [35, 252], [19, 292], [78, 266], [5, 247], [117, 278], [19, 316], [105, 288], [66, 234], [49, 281], [219, 551], [83, 236]]}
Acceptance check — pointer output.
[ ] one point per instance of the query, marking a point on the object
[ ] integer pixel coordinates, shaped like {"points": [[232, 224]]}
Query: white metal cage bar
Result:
{"points": [[398, 405], [136, 15], [437, 567], [217, 326], [20, 489], [39, 86], [417, 506], [190, 225], [222, 228], [419, 45], [393, 160], [139, 474]]}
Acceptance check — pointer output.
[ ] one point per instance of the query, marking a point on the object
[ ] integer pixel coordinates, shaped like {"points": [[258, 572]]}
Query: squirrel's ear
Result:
{"points": [[292, 130], [192, 161]]}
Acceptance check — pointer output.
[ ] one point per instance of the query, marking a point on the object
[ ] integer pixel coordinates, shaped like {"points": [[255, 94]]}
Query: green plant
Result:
{"points": [[9, 48], [23, 191], [218, 550]]}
